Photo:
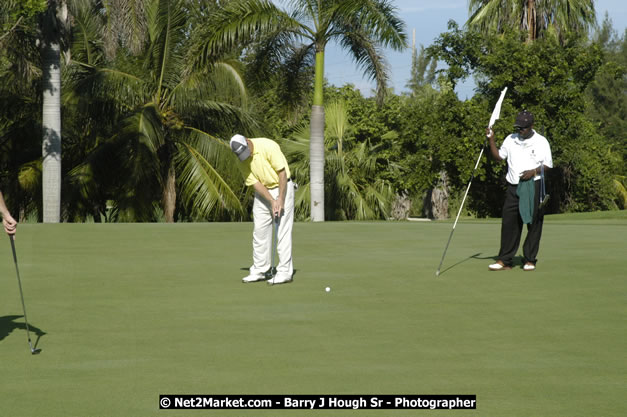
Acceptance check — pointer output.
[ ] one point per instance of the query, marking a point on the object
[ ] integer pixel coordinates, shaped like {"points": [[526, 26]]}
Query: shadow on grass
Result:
{"points": [[475, 256], [8, 324], [247, 269], [517, 260]]}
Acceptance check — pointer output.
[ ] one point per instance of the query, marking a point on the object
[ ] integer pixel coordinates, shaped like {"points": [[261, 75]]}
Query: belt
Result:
{"points": [[288, 180]]}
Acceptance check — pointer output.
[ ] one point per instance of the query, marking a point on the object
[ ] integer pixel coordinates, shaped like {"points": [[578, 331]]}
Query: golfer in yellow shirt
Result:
{"points": [[265, 168]]}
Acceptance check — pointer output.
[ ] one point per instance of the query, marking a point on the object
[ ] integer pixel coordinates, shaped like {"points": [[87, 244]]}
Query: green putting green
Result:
{"points": [[126, 312]]}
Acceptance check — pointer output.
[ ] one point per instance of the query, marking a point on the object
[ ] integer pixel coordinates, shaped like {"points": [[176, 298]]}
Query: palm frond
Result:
{"points": [[29, 177], [87, 44], [206, 164], [118, 89], [166, 22], [126, 25], [378, 18], [296, 75], [368, 56], [621, 191], [237, 24], [336, 122], [221, 83], [279, 51]]}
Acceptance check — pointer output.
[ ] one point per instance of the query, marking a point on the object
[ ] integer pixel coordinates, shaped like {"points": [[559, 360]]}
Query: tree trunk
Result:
{"points": [[531, 21], [51, 121], [401, 206], [438, 199], [316, 164], [169, 195], [316, 144]]}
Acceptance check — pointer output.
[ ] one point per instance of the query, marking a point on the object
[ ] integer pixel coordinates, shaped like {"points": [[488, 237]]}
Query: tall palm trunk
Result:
{"points": [[169, 194], [51, 121], [316, 146]]}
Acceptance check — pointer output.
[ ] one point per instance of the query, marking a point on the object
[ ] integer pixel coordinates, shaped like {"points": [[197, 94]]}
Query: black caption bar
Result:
{"points": [[318, 402]]}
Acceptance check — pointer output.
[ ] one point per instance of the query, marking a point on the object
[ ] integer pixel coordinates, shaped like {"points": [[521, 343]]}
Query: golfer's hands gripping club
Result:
{"points": [[277, 208], [9, 223]]}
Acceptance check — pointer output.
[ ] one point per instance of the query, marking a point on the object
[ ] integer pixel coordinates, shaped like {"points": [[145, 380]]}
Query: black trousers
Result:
{"points": [[511, 228]]}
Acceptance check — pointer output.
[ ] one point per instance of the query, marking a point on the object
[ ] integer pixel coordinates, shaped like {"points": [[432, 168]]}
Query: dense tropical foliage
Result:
{"points": [[166, 115], [151, 92]]}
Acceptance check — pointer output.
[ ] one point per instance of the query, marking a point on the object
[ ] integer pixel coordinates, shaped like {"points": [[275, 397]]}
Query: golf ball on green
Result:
{"points": [[327, 289]]}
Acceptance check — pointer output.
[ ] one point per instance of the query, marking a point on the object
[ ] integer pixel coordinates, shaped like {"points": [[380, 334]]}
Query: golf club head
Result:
{"points": [[33, 351], [270, 273]]}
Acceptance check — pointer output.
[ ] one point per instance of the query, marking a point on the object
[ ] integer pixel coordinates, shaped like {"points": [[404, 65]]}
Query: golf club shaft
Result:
{"points": [[542, 190], [275, 242], [19, 282]]}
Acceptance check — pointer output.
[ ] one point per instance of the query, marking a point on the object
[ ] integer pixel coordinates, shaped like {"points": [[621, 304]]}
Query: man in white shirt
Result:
{"points": [[526, 152]]}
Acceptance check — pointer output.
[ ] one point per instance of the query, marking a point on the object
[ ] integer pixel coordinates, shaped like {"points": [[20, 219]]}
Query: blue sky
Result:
{"points": [[429, 18]]}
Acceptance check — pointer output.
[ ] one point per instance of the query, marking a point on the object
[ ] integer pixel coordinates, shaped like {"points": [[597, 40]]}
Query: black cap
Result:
{"points": [[524, 119]]}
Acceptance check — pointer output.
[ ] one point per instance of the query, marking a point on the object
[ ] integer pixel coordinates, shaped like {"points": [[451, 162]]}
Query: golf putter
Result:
{"points": [[270, 273], [33, 351], [275, 243]]}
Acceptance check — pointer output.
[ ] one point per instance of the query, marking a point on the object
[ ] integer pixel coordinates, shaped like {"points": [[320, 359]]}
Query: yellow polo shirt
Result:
{"points": [[264, 163]]}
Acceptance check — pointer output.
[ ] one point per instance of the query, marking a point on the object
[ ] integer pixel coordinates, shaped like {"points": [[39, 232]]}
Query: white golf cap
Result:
{"points": [[240, 147]]}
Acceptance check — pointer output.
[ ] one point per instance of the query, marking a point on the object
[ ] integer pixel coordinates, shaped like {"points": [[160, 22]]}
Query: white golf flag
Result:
{"points": [[496, 113]]}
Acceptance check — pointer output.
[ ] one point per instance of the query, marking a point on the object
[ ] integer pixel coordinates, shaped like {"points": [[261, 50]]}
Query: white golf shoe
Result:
{"points": [[498, 266], [280, 279], [254, 277]]}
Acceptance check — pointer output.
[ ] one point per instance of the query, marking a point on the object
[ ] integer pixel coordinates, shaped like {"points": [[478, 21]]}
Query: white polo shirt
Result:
{"points": [[525, 154]]}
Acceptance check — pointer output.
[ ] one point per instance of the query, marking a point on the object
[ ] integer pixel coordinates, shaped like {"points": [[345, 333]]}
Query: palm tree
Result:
{"points": [[54, 23], [362, 27], [537, 17], [163, 145], [421, 77], [349, 167]]}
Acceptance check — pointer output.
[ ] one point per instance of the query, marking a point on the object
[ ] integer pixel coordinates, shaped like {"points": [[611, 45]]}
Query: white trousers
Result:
{"points": [[262, 233]]}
